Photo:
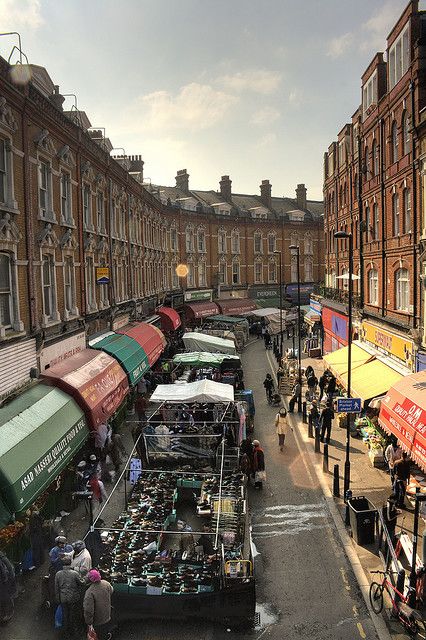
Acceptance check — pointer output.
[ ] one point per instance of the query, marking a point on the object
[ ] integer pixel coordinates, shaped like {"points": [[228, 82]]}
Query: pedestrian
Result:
{"points": [[258, 465], [280, 374], [322, 384], [326, 419], [268, 383], [312, 382], [295, 395], [402, 474], [36, 535], [115, 450], [60, 551], [8, 590], [393, 452], [99, 494], [68, 587], [331, 387], [101, 435], [309, 371], [141, 387], [390, 516], [82, 561], [97, 605], [314, 414], [281, 426], [140, 408]]}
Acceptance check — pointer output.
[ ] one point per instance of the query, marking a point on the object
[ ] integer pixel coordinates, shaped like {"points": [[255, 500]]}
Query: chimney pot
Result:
{"points": [[225, 188], [182, 180], [266, 193], [301, 197]]}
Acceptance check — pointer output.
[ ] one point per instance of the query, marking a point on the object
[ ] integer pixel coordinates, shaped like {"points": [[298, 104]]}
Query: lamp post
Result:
{"points": [[281, 301], [296, 248], [344, 235]]}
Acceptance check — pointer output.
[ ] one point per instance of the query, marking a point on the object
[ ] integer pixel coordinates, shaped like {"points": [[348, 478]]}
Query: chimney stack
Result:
{"points": [[266, 193], [301, 196], [225, 188], [182, 180], [57, 98]]}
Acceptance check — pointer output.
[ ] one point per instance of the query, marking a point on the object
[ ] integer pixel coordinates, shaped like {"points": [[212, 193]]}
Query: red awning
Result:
{"points": [[236, 306], [94, 379], [148, 336], [201, 310], [170, 319], [403, 413]]}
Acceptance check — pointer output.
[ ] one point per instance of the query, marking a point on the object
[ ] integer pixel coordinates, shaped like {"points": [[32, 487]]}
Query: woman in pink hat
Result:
{"points": [[97, 605]]}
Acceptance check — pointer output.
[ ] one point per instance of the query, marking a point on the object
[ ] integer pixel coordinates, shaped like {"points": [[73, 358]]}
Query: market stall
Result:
{"points": [[170, 319], [238, 326], [148, 336], [129, 354], [198, 310], [236, 306], [196, 341]]}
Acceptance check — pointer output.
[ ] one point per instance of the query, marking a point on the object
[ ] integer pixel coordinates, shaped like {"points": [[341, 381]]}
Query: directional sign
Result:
{"points": [[349, 405]]}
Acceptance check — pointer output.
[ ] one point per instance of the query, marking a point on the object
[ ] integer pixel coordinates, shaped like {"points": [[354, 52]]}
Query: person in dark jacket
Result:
{"points": [[331, 387], [268, 383], [322, 383], [390, 516], [326, 419], [68, 586], [402, 475], [35, 530], [8, 590], [258, 465]]}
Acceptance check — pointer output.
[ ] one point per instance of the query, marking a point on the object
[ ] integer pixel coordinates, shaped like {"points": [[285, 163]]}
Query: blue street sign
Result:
{"points": [[348, 405]]}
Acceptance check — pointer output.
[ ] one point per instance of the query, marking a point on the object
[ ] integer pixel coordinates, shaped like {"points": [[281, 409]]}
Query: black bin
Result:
{"points": [[362, 518]]}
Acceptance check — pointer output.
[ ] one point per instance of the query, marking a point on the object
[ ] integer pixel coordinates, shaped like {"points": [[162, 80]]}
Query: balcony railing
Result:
{"points": [[339, 295]]}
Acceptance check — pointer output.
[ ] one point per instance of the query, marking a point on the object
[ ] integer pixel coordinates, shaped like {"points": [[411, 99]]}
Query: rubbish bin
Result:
{"points": [[362, 518]]}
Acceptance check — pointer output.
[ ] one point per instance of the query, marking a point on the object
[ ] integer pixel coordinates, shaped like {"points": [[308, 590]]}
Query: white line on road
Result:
{"points": [[287, 532]]}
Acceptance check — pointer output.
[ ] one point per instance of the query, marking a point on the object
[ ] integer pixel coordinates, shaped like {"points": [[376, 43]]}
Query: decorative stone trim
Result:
{"points": [[44, 142], [48, 237], [7, 120]]}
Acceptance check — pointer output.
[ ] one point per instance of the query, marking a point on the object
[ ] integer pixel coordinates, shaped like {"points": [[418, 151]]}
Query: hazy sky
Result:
{"points": [[251, 88]]}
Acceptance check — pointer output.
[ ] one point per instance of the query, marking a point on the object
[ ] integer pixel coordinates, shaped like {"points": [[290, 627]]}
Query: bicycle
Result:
{"points": [[409, 617]]}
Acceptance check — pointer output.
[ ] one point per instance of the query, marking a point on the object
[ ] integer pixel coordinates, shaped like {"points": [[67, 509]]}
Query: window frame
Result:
{"points": [[406, 197], [258, 240], [46, 211], [396, 70], [9, 293], [402, 293], [223, 273], [69, 287], [396, 218], [87, 206], [66, 197], [258, 278], [373, 287], [52, 316], [394, 142]]}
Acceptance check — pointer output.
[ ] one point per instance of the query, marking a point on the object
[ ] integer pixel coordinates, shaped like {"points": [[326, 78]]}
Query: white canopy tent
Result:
{"points": [[195, 341], [201, 391]]}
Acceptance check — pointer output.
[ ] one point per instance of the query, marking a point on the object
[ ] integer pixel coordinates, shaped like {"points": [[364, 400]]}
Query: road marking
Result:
{"points": [[345, 579], [361, 630], [289, 519]]}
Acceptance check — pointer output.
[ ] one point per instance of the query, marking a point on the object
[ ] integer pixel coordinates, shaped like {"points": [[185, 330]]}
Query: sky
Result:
{"points": [[253, 89]]}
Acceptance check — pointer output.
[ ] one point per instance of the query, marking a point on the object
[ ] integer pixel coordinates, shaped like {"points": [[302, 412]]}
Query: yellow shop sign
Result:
{"points": [[388, 342]]}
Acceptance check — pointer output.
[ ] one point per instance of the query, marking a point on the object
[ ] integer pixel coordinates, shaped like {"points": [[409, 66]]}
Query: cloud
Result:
{"points": [[266, 115], [267, 140], [379, 25], [25, 13], [295, 97], [338, 46], [255, 80], [195, 107]]}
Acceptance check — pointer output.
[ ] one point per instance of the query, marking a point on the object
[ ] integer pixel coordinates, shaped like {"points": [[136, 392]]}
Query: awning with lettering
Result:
{"points": [[129, 354], [40, 432], [94, 379], [148, 337], [197, 310], [403, 413], [235, 306], [170, 320]]}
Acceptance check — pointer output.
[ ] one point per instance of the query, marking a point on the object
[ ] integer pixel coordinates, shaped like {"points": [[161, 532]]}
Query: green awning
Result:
{"points": [[226, 319], [129, 354], [40, 432], [202, 358]]}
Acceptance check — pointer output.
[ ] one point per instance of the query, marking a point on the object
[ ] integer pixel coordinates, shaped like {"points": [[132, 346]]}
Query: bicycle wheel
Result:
{"points": [[376, 597]]}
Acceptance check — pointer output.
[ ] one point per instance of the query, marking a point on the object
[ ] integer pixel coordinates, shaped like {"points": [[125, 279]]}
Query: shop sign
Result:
{"points": [[102, 275], [192, 296], [389, 343], [52, 462], [59, 351], [120, 322]]}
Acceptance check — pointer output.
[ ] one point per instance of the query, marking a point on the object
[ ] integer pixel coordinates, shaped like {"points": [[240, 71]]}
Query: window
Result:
{"points": [[308, 270], [272, 272], [235, 273], [201, 274], [405, 133], [201, 240], [235, 242], [175, 277], [258, 272], [395, 215], [103, 288], [100, 211], [3, 172], [366, 163], [190, 276], [356, 187], [221, 241], [375, 159], [87, 209], [342, 153], [369, 95], [222, 273], [90, 285], [407, 210], [258, 243], [49, 294], [66, 211], [44, 189], [6, 302], [189, 239], [368, 223], [69, 287], [375, 232], [173, 239], [402, 297], [272, 243], [394, 143], [373, 287], [308, 245], [399, 57]]}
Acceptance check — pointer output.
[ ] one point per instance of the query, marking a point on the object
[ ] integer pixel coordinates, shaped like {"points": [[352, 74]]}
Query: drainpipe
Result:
{"points": [[29, 227], [361, 234], [80, 232], [416, 278], [112, 283], [383, 211]]}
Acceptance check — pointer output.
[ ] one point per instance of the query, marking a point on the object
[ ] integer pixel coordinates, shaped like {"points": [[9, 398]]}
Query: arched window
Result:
{"points": [[258, 242], [272, 243], [394, 142], [221, 241], [373, 287], [189, 239], [201, 240], [235, 241], [405, 133], [293, 272], [258, 272], [222, 275], [356, 187], [395, 215], [6, 298], [308, 244], [407, 210], [235, 272], [402, 290], [272, 272]]}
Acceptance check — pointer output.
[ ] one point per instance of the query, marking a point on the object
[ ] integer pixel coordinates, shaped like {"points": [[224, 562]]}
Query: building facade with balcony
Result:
{"points": [[374, 190]]}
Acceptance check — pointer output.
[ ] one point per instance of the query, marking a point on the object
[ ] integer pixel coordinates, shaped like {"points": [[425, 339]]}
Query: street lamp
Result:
{"points": [[344, 235], [296, 248], [281, 301]]}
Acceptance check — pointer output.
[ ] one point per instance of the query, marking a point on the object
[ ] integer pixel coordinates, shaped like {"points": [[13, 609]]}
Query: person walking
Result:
{"points": [[322, 383], [68, 587], [393, 452], [331, 387], [312, 382], [8, 589], [268, 383], [314, 414], [295, 394], [258, 465], [280, 374], [402, 474], [99, 494], [97, 605], [326, 420], [281, 426]]}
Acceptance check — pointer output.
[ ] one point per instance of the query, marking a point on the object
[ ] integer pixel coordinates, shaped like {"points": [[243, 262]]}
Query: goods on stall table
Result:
{"points": [[8, 533]]}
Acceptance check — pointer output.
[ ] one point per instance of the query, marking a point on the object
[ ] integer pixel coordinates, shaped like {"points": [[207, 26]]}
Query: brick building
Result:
{"points": [[70, 214], [374, 189]]}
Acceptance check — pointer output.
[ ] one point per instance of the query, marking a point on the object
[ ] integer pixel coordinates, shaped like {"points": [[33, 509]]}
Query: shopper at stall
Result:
{"points": [[295, 394], [99, 494], [268, 383], [97, 605], [314, 414], [331, 386], [402, 475], [258, 465], [393, 452], [322, 383], [281, 427], [326, 421], [206, 541], [36, 535], [82, 561], [68, 586], [8, 590], [312, 382], [60, 551]]}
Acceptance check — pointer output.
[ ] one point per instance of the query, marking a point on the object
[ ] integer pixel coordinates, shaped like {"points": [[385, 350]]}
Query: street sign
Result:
{"points": [[102, 275], [348, 405]]}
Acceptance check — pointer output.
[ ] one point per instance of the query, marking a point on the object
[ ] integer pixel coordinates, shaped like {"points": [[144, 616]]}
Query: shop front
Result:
{"points": [[236, 306], [60, 350], [396, 348], [335, 327], [170, 320], [16, 361], [148, 337], [201, 295], [267, 295], [291, 292], [95, 380]]}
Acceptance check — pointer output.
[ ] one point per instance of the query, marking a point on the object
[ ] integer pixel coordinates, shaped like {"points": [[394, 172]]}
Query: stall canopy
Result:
{"points": [[203, 359], [129, 354], [148, 337], [264, 313], [195, 341], [337, 361], [198, 310], [403, 413], [94, 379], [371, 379], [236, 306], [170, 319], [201, 391], [229, 319], [40, 431], [311, 317]]}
